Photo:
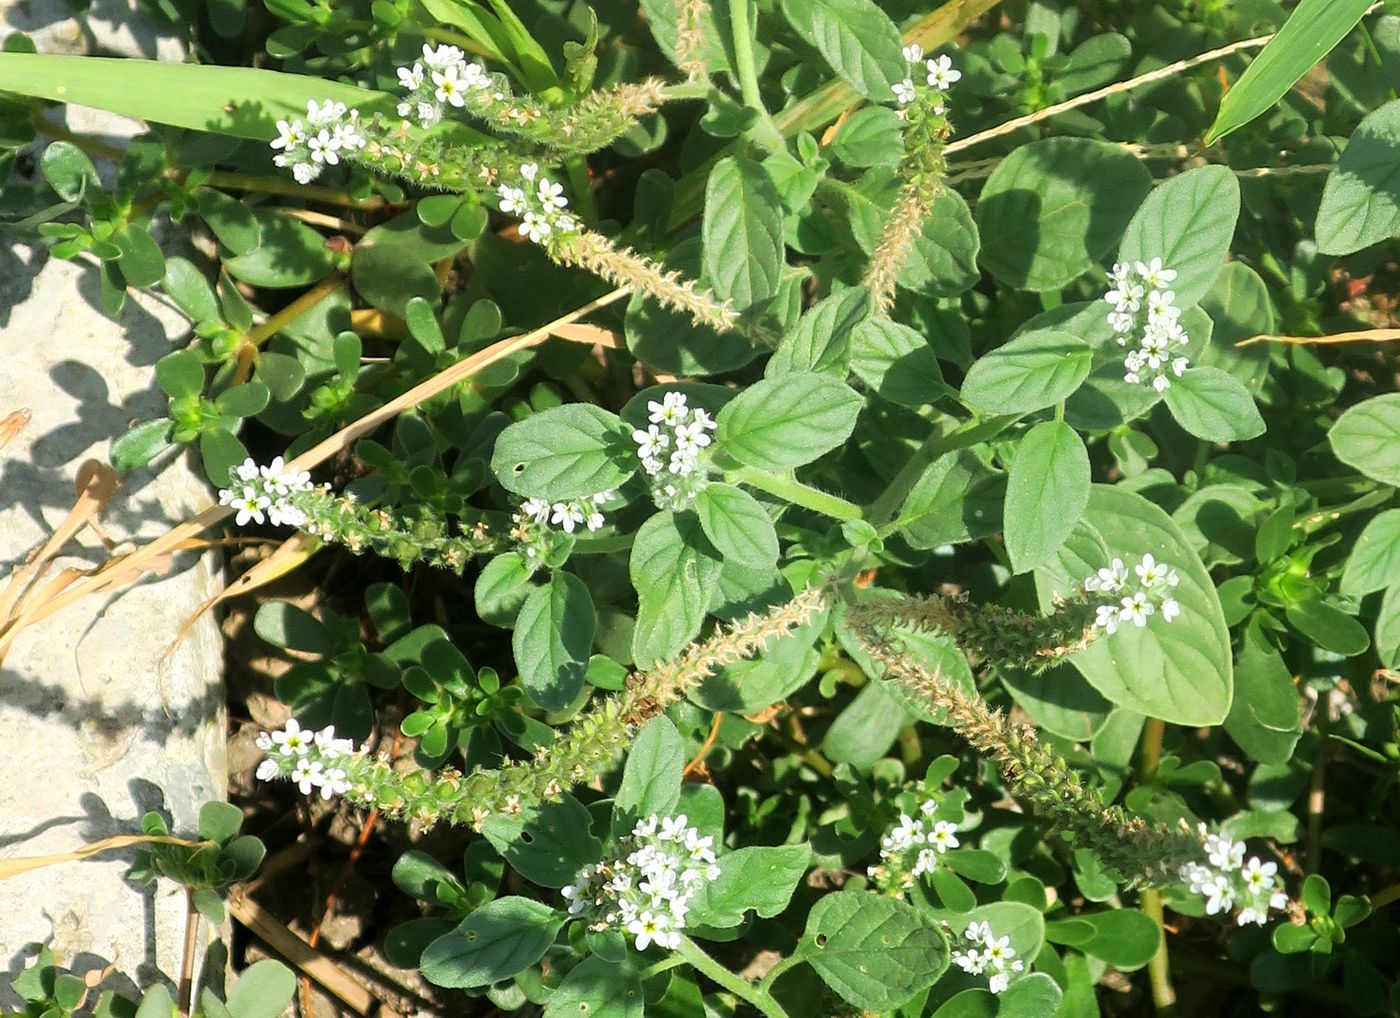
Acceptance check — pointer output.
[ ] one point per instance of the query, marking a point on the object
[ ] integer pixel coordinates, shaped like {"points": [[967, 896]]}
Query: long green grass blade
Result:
{"points": [[241, 101], [1314, 27]]}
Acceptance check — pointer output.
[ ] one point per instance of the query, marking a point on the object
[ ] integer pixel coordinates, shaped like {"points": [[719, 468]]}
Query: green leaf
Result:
{"points": [[736, 524], [762, 879], [1125, 938], [219, 821], [1180, 671], [241, 101], [664, 18], [220, 451], [1367, 437], [742, 232], [897, 362], [857, 39], [552, 639], [1030, 996], [141, 444], [292, 254], [864, 731], [1264, 717], [876, 952], [1053, 208], [66, 167], [495, 942], [1035, 370], [263, 990], [871, 136], [547, 844], [502, 588], [284, 625], [1388, 627], [598, 988], [190, 289], [419, 875], [1188, 222], [231, 221], [1022, 924], [244, 400], [141, 261], [1328, 627], [1314, 27], [1214, 405], [674, 569], [565, 452], [821, 340], [1375, 559], [1046, 491], [180, 374], [784, 422], [651, 777], [1361, 200]]}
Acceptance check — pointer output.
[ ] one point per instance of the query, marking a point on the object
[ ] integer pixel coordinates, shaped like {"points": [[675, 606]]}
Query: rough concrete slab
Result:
{"points": [[90, 740]]}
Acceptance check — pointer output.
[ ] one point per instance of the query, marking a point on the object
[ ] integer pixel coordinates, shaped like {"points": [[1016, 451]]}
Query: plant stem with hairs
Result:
{"points": [[1138, 851]]}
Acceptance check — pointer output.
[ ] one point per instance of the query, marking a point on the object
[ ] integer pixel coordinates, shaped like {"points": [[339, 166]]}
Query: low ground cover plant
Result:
{"points": [[854, 509]]}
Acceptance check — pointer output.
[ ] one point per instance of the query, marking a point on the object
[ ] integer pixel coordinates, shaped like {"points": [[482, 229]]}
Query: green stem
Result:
{"points": [[756, 996], [892, 498], [1159, 973], [771, 976], [745, 67], [792, 490], [577, 168]]}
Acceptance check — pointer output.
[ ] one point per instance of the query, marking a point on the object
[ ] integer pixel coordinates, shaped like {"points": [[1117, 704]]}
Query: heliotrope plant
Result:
{"points": [[852, 519]]}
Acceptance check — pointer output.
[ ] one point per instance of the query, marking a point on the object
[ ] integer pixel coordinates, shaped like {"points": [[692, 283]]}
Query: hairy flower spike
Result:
{"points": [[581, 752], [921, 98], [1137, 850], [990, 632]]}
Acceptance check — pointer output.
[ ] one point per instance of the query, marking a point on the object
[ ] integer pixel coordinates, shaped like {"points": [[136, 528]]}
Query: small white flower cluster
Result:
{"points": [[675, 436], [567, 516], [442, 78], [330, 130], [647, 889], [540, 204], [988, 953], [937, 71], [255, 490], [1227, 880], [310, 758], [912, 847], [1139, 287], [1151, 595]]}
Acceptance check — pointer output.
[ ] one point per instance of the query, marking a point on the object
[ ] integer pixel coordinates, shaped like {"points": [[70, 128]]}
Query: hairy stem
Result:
{"points": [[1159, 973], [792, 490], [756, 996]]}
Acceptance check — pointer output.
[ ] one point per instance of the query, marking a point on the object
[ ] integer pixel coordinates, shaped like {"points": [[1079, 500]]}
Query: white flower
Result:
{"points": [[551, 195], [325, 113], [1136, 608], [913, 53], [267, 770], [323, 148], [529, 171], [670, 411], [448, 86], [1223, 853], [249, 502], [443, 56], [692, 435], [1109, 579], [1106, 617], [943, 836], [903, 91], [651, 442], [289, 135], [704, 420], [592, 517], [411, 78], [941, 74], [683, 461], [673, 828], [535, 226], [1154, 275], [1249, 914], [567, 515], [537, 509], [1259, 876], [1220, 896], [308, 774], [999, 951], [1170, 609]]}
